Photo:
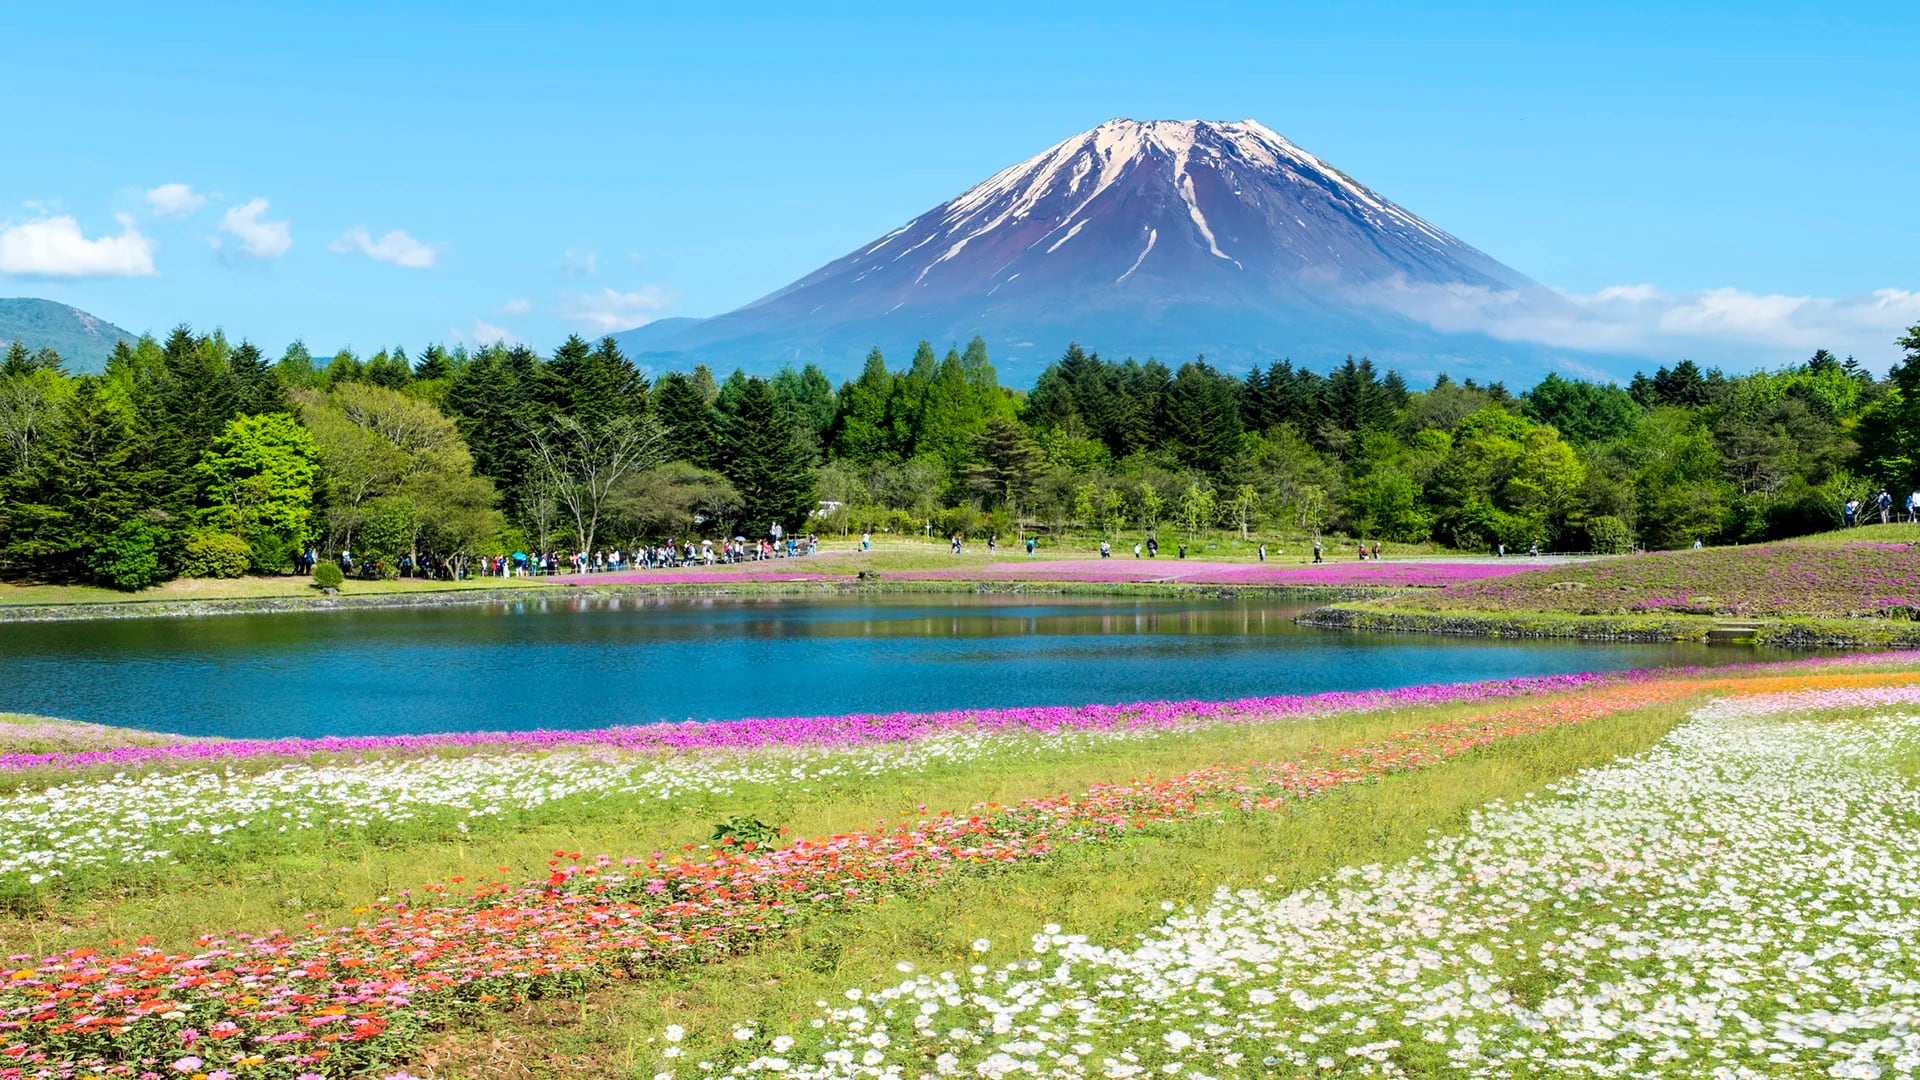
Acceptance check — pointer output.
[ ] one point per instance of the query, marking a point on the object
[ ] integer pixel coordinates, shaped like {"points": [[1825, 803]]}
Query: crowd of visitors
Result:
{"points": [[1881, 504], [675, 554]]}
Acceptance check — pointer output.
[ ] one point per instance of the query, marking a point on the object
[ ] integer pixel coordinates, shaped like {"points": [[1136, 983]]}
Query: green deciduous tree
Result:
{"points": [[32, 400], [1582, 412], [1198, 508], [1889, 431], [863, 429], [397, 462], [678, 499], [584, 462], [258, 475]]}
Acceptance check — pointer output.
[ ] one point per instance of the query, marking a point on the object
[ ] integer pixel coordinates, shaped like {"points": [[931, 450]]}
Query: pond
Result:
{"points": [[582, 662]]}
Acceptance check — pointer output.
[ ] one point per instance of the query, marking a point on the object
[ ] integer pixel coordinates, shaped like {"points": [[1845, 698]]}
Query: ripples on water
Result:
{"points": [[585, 662]]}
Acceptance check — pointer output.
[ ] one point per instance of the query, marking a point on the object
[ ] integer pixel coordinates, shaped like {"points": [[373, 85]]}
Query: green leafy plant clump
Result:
{"points": [[129, 558], [745, 831], [215, 555], [327, 575]]}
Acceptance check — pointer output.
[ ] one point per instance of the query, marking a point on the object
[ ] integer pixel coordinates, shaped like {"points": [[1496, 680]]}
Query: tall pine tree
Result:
{"points": [[692, 425], [90, 481], [766, 461]]}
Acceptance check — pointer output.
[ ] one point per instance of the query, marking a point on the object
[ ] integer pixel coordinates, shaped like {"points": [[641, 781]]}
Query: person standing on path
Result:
{"points": [[1029, 547], [1885, 502], [1317, 557]]}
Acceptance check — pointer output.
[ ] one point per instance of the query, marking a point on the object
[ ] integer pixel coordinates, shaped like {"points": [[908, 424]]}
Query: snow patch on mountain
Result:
{"points": [[1152, 235]]}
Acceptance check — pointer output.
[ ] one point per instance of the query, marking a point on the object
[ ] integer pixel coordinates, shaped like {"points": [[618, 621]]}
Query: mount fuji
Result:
{"points": [[1157, 238]]}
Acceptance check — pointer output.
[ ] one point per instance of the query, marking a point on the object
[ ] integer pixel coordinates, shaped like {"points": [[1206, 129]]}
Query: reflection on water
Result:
{"points": [[586, 662]]}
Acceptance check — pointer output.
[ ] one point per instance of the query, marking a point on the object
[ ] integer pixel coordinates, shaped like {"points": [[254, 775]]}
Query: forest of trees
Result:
{"points": [[197, 456]]}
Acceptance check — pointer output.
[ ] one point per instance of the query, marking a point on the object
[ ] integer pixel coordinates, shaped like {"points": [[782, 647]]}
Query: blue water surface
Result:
{"points": [[580, 663]]}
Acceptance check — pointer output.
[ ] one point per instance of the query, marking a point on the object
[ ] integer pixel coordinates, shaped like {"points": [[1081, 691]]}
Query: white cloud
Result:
{"points": [[396, 247], [261, 239], [1645, 319], [486, 333], [174, 200], [609, 309], [55, 247], [581, 263], [516, 307]]}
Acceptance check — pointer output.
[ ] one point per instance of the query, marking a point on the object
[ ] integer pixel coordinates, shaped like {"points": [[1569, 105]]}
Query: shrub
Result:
{"points": [[327, 575], [1609, 535], [215, 555], [129, 557]]}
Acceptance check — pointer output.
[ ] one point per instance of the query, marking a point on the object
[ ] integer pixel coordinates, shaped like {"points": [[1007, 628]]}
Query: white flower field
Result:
{"points": [[1741, 902]]}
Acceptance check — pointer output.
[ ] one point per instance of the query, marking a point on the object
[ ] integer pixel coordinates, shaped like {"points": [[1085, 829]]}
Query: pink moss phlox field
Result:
{"points": [[1862, 578], [1307, 575], [1107, 571], [850, 730], [862, 729]]}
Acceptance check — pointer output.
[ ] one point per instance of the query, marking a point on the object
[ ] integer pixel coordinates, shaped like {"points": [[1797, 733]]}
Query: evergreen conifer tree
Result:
{"points": [[766, 461], [692, 425], [89, 481]]}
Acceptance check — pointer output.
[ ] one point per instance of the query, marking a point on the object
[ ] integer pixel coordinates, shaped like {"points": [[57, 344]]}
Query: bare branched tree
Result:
{"points": [[581, 462]]}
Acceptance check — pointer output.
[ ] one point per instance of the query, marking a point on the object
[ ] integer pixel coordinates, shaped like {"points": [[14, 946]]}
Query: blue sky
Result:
{"points": [[1753, 163]]}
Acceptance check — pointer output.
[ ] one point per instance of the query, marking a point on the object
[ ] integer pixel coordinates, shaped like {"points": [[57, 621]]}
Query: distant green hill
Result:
{"points": [[85, 341]]}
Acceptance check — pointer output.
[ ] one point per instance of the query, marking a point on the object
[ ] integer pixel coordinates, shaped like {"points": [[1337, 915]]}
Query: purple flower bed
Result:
{"points": [[1783, 579], [1121, 570], [1196, 572], [867, 729]]}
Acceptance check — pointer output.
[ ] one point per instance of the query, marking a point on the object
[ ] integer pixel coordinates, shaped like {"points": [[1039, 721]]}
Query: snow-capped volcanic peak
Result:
{"points": [[1210, 210], [1167, 236], [1082, 168]]}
